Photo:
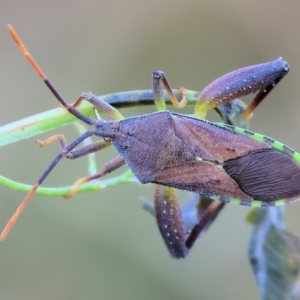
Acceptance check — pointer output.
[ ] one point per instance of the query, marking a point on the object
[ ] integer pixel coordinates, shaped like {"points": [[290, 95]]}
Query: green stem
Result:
{"points": [[59, 117]]}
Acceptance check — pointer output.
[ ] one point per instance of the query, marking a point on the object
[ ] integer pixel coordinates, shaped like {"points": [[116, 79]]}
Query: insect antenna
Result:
{"points": [[28, 197], [65, 150], [35, 66]]}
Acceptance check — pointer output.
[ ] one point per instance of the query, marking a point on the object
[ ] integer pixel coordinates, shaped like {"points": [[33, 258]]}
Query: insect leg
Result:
{"points": [[73, 154], [205, 220], [262, 78], [112, 165], [28, 197], [169, 220], [58, 137], [82, 151], [232, 112], [90, 148], [159, 83], [100, 104]]}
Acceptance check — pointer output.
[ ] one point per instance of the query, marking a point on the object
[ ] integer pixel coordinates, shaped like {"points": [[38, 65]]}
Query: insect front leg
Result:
{"points": [[82, 151], [99, 104], [55, 138], [76, 153], [88, 149]]}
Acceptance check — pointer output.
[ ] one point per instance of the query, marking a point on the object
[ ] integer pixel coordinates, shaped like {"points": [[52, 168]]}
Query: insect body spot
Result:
{"points": [[230, 150]]}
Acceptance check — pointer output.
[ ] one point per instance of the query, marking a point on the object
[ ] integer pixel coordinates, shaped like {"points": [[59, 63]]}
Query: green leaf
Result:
{"points": [[274, 254]]}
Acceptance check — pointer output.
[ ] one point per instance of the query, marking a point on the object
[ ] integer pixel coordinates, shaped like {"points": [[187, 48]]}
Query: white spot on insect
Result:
{"points": [[245, 80], [227, 88], [166, 226], [168, 234], [264, 90], [250, 87], [164, 212]]}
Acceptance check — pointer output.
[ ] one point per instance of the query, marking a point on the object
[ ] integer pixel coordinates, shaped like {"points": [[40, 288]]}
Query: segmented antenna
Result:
{"points": [[66, 149]]}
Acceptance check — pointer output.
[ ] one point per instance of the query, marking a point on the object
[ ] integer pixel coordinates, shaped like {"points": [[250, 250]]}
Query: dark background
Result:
{"points": [[103, 245]]}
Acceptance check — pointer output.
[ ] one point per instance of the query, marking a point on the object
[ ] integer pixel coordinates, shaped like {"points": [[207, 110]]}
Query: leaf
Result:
{"points": [[274, 254]]}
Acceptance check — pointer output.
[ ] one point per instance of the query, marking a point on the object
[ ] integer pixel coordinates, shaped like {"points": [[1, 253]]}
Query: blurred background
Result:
{"points": [[103, 245]]}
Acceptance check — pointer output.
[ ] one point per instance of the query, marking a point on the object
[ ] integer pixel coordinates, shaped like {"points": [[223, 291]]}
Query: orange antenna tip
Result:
{"points": [[25, 52], [19, 210], [16, 38]]}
